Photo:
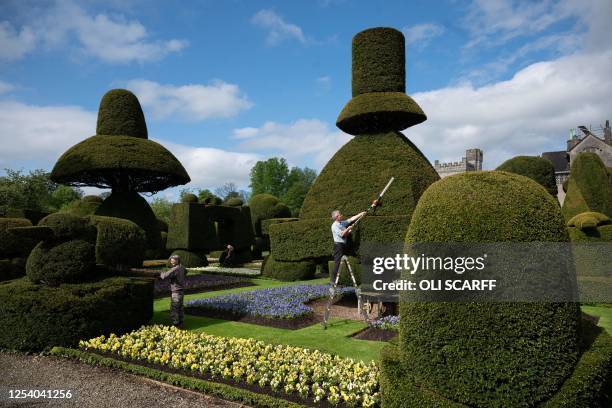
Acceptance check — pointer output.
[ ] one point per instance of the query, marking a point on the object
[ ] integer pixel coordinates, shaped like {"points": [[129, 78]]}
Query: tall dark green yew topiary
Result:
{"points": [[264, 207], [121, 157], [358, 171], [589, 187], [485, 354], [534, 167]]}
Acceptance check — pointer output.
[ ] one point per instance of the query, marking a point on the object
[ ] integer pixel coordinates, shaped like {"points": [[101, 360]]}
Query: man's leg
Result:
{"points": [[176, 308], [338, 252]]}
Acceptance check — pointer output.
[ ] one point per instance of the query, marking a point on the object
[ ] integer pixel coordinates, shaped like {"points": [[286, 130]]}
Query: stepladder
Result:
{"points": [[333, 292]]}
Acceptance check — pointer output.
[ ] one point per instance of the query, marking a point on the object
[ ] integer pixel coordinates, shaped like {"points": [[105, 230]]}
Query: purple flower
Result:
{"points": [[386, 323]]}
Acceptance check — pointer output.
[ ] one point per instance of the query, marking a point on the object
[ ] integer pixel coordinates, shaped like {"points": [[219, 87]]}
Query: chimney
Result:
{"points": [[608, 133]]}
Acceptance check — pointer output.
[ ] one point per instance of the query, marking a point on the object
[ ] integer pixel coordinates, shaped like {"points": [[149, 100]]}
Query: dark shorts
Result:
{"points": [[339, 251]]}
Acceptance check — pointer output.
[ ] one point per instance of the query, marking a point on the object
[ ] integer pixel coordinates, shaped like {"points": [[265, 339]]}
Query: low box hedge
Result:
{"points": [[288, 271]]}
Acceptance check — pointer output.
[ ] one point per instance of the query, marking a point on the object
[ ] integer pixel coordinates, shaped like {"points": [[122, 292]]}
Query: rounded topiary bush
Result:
{"points": [[235, 202], [120, 243], [588, 188], [67, 226], [288, 271], [10, 244], [477, 353], [191, 259], [536, 168], [132, 206], [70, 261], [189, 198], [37, 317], [212, 200], [265, 206]]}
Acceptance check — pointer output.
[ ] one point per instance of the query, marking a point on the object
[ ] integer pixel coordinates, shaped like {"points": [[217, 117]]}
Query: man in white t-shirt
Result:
{"points": [[340, 231]]}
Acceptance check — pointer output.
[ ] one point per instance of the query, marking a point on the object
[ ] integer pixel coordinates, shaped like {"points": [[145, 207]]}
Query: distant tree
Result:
{"points": [[270, 176], [162, 208], [208, 196], [34, 191], [227, 190]]}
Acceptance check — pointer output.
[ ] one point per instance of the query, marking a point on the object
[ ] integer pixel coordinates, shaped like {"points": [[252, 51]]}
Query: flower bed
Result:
{"points": [[309, 373], [386, 323], [200, 283], [285, 302], [218, 270]]}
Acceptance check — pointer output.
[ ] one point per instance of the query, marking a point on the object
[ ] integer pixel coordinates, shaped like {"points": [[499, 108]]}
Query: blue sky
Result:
{"points": [[226, 83]]}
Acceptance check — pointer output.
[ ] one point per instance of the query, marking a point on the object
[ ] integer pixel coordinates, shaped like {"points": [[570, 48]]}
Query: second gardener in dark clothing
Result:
{"points": [[176, 275]]}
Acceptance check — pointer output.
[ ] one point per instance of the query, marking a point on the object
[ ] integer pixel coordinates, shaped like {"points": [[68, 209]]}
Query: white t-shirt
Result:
{"points": [[337, 228]]}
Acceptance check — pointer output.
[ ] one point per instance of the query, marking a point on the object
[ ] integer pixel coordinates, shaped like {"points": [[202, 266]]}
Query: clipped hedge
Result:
{"points": [[266, 206], [67, 226], [33, 215], [119, 242], [355, 175], [36, 317], [602, 233], [10, 244], [265, 224], [190, 228], [189, 198], [589, 188], [589, 219], [191, 259], [235, 202], [288, 271], [70, 261], [536, 168], [482, 354], [132, 206], [120, 114]]}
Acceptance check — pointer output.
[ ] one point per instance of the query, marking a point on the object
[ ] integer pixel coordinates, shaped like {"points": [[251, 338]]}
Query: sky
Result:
{"points": [[224, 84]]}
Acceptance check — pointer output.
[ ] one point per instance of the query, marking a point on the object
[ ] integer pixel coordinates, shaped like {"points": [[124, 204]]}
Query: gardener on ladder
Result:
{"points": [[340, 231]]}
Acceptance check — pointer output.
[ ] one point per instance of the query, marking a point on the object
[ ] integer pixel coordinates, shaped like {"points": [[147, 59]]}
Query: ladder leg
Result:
{"points": [[330, 301], [360, 307]]}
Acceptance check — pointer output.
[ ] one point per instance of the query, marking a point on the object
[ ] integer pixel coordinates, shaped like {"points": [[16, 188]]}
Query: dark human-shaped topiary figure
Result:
{"points": [[536, 168], [477, 353], [360, 169], [121, 157], [588, 188]]}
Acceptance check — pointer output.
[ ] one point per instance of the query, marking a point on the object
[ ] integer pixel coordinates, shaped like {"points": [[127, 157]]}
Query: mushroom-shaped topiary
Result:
{"points": [[536, 168], [483, 353], [379, 102], [121, 157], [588, 188]]}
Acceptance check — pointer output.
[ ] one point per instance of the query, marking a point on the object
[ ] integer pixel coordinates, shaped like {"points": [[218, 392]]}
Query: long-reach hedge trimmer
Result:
{"points": [[333, 288]]}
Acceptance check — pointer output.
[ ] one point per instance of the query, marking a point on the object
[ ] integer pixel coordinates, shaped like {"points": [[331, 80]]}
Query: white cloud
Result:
{"points": [[420, 35], [302, 139], [278, 29], [112, 39], [192, 102], [210, 167], [530, 113], [41, 133], [5, 87], [13, 44]]}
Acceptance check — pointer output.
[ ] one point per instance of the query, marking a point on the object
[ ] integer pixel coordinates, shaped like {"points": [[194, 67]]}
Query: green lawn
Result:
{"points": [[335, 340], [604, 313]]}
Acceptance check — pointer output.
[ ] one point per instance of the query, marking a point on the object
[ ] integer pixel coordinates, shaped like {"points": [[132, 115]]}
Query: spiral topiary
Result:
{"points": [[483, 354]]}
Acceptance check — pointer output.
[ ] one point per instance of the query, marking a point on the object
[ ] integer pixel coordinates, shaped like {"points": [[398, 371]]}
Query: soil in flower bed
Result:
{"points": [[202, 283], [294, 397], [375, 334], [345, 307]]}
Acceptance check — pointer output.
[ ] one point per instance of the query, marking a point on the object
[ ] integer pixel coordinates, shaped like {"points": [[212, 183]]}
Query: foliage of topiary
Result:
{"points": [[37, 317], [92, 199], [132, 206], [119, 243], [361, 168], [589, 219], [379, 101], [191, 259], [482, 354], [235, 202], [589, 188], [70, 261], [190, 228], [67, 226], [345, 276], [33, 215], [120, 114], [266, 206], [11, 268], [602, 233], [265, 224], [536, 168], [288, 271], [189, 198], [212, 200], [10, 245]]}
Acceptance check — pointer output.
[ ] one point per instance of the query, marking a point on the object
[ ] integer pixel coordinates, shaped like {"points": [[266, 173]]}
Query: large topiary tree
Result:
{"points": [[536, 168], [121, 157], [375, 115], [589, 187], [488, 354]]}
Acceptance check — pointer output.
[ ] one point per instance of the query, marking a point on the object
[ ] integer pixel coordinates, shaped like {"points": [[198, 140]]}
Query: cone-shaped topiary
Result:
{"points": [[536, 168], [265, 206], [120, 156], [482, 354], [588, 188], [379, 101]]}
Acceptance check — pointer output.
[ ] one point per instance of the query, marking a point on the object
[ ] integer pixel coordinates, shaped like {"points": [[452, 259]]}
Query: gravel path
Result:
{"points": [[91, 386]]}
